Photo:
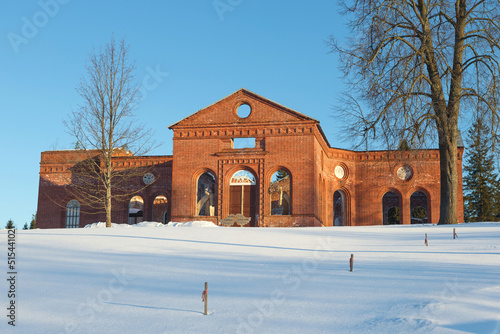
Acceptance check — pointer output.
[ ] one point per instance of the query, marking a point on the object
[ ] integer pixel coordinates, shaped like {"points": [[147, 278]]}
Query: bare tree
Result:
{"points": [[106, 130], [415, 65]]}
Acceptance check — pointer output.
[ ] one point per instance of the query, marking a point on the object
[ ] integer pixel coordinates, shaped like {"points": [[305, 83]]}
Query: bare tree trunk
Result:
{"points": [[108, 207], [449, 178], [448, 129]]}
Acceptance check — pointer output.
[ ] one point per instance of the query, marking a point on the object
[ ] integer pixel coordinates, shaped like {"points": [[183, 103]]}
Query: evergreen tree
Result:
{"points": [[25, 227], [33, 222], [10, 225], [393, 216], [280, 175], [481, 183]]}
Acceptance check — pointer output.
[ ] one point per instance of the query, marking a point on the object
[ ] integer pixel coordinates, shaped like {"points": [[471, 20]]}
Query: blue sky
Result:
{"points": [[276, 49]]}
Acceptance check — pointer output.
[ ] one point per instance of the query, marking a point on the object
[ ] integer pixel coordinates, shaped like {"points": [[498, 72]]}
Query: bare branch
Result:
{"points": [[105, 129], [412, 64]]}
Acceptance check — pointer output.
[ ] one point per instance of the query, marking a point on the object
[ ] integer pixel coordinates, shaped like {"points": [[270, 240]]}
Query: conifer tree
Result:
{"points": [[280, 175], [33, 221], [25, 227], [10, 225], [481, 182]]}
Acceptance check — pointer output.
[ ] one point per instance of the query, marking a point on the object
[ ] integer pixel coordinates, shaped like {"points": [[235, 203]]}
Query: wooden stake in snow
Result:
{"points": [[351, 261], [455, 235], [204, 297], [426, 243]]}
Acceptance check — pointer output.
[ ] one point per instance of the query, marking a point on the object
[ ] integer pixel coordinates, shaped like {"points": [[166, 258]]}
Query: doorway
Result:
{"points": [[243, 195]]}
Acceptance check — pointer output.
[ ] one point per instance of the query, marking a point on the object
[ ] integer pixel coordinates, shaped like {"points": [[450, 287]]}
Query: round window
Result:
{"points": [[244, 111], [404, 173]]}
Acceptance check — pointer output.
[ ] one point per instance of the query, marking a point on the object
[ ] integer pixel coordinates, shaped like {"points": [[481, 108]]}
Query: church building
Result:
{"points": [[248, 161]]}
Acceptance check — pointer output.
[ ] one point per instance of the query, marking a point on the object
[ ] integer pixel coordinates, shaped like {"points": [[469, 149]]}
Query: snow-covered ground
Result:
{"points": [[260, 280]]}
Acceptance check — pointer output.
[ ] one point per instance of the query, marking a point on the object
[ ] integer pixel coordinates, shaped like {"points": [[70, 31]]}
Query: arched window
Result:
{"points": [[160, 209], [280, 193], [73, 214], [135, 210], [243, 177], [418, 206], [391, 208], [339, 208], [206, 195]]}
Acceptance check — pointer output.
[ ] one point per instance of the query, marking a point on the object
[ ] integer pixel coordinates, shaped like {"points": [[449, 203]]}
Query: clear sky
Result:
{"points": [[209, 49]]}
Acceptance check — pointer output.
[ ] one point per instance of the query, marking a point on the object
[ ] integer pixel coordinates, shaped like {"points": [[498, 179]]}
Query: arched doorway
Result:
{"points": [[391, 208], [160, 209], [243, 195], [135, 210], [419, 208], [339, 208]]}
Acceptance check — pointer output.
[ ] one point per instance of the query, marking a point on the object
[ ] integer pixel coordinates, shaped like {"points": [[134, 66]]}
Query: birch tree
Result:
{"points": [[104, 127]]}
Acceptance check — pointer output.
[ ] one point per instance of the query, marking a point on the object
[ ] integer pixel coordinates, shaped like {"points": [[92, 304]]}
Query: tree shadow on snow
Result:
{"points": [[154, 307], [486, 326]]}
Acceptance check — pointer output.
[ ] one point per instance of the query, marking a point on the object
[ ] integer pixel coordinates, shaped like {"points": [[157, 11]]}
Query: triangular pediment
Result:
{"points": [[224, 113]]}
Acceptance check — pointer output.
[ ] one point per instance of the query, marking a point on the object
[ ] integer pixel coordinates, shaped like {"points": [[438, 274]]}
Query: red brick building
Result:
{"points": [[248, 161]]}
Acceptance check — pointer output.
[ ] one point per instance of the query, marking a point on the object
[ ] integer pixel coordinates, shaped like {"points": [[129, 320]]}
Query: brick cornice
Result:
{"points": [[244, 131]]}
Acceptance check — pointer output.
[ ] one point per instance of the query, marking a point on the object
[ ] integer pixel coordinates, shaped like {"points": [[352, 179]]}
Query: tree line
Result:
{"points": [[10, 224]]}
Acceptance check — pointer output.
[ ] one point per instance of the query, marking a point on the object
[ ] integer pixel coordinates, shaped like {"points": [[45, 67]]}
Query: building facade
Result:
{"points": [[248, 161]]}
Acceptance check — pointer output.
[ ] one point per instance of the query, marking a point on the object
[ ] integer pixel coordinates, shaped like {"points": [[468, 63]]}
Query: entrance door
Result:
{"points": [[242, 200], [242, 193]]}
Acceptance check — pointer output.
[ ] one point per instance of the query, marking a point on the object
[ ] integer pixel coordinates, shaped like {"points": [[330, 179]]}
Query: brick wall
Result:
{"points": [[56, 180], [284, 140]]}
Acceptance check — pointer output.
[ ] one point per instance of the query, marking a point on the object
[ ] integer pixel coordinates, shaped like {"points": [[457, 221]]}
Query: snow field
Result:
{"points": [[260, 280]]}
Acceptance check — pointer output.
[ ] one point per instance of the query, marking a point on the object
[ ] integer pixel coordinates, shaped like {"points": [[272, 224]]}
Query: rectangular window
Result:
{"points": [[239, 143]]}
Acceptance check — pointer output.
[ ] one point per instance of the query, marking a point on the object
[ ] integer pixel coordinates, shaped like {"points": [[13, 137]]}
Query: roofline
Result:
{"points": [[323, 135], [246, 91], [219, 100], [277, 104]]}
